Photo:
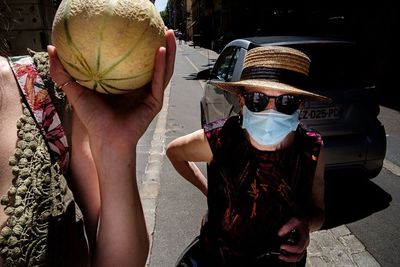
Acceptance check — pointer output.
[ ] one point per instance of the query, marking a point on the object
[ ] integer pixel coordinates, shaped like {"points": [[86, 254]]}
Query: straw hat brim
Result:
{"points": [[236, 87]]}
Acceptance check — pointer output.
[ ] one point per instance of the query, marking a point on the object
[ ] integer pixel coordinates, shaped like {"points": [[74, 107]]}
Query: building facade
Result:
{"points": [[214, 23], [28, 23]]}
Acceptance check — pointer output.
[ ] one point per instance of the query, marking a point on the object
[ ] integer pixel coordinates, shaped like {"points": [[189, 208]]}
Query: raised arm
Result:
{"points": [[184, 151], [114, 125]]}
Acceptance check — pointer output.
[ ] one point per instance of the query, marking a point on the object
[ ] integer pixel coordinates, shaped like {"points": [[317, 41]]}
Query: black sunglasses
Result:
{"points": [[256, 102]]}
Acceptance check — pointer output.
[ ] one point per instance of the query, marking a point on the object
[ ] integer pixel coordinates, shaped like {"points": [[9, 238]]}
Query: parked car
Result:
{"points": [[354, 138]]}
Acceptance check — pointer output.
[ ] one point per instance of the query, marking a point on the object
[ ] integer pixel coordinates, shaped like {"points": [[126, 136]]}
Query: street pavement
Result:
{"points": [[332, 247]]}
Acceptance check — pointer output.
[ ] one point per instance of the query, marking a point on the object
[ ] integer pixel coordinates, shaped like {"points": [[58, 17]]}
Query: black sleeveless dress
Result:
{"points": [[252, 193]]}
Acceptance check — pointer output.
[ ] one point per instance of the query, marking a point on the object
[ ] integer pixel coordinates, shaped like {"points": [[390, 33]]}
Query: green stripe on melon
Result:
{"points": [[108, 46]]}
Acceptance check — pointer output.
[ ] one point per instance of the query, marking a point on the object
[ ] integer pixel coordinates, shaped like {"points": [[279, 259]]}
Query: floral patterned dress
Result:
{"points": [[44, 225], [252, 193]]}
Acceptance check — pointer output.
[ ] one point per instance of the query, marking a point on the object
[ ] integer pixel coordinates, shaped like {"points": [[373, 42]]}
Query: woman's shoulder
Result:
{"points": [[2, 60], [7, 79], [309, 132], [221, 126], [214, 125], [223, 132], [309, 138], [4, 67]]}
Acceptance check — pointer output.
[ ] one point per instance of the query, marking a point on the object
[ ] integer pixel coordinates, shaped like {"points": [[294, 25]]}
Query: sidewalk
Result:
{"points": [[333, 247], [338, 247]]}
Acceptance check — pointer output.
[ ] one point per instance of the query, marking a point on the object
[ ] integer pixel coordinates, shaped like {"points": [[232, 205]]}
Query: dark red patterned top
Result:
{"points": [[252, 193]]}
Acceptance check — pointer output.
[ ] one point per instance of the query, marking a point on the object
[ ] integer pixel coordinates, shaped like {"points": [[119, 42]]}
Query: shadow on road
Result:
{"points": [[201, 75], [192, 76], [349, 199]]}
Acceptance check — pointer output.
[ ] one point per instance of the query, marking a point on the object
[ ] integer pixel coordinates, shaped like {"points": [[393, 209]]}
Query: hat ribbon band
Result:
{"points": [[285, 76]]}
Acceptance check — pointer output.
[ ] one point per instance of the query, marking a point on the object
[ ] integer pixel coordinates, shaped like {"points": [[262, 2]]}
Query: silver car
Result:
{"points": [[355, 140]]}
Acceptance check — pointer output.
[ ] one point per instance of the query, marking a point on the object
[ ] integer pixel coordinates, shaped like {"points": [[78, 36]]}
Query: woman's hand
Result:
{"points": [[293, 250], [118, 118]]}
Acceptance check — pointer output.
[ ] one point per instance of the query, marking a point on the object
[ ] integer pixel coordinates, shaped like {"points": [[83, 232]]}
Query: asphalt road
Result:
{"points": [[381, 196], [179, 205], [370, 209]]}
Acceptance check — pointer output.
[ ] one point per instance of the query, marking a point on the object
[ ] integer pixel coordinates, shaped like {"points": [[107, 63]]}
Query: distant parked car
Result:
{"points": [[355, 140]]}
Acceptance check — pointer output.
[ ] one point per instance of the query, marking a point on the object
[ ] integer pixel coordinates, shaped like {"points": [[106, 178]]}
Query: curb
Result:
{"points": [[150, 187]]}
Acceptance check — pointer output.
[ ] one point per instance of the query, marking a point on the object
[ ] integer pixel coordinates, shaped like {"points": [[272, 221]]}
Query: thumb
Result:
{"points": [[57, 71], [54, 61], [51, 50], [288, 226]]}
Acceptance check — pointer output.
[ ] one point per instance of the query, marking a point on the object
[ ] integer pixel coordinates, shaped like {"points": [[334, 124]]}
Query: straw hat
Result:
{"points": [[275, 67]]}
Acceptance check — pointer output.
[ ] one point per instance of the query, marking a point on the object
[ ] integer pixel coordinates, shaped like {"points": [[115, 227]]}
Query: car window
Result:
{"points": [[224, 67]]}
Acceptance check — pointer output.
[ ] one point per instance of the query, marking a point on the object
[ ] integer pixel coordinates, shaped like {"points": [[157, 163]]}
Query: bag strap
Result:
{"points": [[35, 94]]}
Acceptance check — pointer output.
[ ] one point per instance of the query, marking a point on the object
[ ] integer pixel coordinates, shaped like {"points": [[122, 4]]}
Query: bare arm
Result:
{"points": [[84, 178], [184, 151], [114, 125]]}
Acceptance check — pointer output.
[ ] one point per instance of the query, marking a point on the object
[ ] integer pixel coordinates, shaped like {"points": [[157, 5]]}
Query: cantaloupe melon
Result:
{"points": [[108, 45]]}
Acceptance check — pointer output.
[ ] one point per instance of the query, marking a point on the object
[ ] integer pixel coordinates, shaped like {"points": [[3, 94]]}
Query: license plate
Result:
{"points": [[329, 113]]}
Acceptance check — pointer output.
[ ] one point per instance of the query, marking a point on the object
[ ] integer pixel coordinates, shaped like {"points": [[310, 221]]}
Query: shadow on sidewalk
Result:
{"points": [[204, 74], [349, 198]]}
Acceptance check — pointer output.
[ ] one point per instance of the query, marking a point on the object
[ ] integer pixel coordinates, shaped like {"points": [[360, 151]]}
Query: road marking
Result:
{"points": [[390, 166], [191, 63]]}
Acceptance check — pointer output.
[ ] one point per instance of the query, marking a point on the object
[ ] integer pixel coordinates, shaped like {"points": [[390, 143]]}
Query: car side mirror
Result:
{"points": [[204, 74]]}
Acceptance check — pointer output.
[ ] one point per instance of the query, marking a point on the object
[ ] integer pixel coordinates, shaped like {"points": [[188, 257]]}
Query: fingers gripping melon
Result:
{"points": [[108, 45]]}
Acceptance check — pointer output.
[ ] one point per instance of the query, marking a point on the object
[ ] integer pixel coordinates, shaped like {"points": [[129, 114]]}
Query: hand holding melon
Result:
{"points": [[108, 45]]}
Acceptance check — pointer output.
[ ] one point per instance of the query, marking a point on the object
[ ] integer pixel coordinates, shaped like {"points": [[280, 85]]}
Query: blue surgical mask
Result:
{"points": [[269, 127]]}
